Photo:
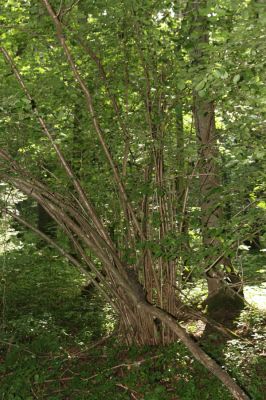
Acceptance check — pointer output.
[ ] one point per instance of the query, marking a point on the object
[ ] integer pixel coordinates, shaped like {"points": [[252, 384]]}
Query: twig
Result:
{"points": [[34, 394], [128, 390], [123, 365], [67, 10], [64, 379], [101, 341]]}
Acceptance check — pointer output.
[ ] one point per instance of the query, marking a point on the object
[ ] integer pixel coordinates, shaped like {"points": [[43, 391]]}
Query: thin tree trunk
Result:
{"points": [[181, 197]]}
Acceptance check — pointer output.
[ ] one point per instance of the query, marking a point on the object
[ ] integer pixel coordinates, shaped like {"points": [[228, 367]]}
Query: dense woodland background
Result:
{"points": [[132, 199]]}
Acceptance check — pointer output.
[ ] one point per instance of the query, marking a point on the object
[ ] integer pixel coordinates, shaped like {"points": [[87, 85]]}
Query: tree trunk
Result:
{"points": [[182, 189], [224, 285]]}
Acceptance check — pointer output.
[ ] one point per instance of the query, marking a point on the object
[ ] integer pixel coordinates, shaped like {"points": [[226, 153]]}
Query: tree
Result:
{"points": [[224, 284], [119, 210]]}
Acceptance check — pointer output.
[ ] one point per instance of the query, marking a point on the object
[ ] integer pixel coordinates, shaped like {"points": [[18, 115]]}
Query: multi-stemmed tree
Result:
{"points": [[115, 101]]}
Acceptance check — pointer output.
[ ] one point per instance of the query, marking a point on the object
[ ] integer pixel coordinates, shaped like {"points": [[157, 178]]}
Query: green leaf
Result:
{"points": [[225, 75], [262, 204], [181, 85], [236, 79], [201, 93], [217, 73], [200, 85]]}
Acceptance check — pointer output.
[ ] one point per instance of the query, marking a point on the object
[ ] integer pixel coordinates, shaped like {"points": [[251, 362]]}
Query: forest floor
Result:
{"points": [[256, 295], [57, 344]]}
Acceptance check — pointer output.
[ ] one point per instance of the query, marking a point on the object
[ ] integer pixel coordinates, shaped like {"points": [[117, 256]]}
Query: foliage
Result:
{"points": [[148, 68]]}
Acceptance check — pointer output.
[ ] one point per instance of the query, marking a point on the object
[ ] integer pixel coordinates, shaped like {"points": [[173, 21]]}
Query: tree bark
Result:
{"points": [[223, 281]]}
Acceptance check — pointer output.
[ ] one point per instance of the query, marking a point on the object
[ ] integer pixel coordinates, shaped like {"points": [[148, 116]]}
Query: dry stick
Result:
{"points": [[9, 343], [96, 344], [186, 195], [62, 13], [240, 212], [34, 394], [64, 163], [98, 129], [128, 390], [227, 285], [124, 365], [224, 253], [219, 258], [63, 379]]}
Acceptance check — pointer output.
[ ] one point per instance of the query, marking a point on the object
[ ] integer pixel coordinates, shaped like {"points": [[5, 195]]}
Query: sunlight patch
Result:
{"points": [[256, 295]]}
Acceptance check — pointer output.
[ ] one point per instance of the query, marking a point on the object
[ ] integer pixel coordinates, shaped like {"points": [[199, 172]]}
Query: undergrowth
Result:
{"points": [[56, 343]]}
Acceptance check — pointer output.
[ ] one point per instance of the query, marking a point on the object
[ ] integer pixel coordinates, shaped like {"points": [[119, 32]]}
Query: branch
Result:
{"points": [[61, 251], [123, 195], [84, 199]]}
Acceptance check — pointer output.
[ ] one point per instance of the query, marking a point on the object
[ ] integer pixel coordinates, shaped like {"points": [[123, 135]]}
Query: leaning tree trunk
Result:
{"points": [[224, 284]]}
